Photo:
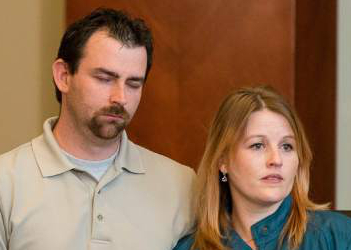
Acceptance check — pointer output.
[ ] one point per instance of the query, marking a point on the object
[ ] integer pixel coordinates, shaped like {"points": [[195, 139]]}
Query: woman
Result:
{"points": [[254, 180]]}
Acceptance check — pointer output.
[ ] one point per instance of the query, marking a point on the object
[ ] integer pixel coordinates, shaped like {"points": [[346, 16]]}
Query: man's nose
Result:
{"points": [[118, 94]]}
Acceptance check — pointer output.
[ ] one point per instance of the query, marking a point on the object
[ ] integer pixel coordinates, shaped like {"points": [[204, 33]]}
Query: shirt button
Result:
{"points": [[265, 230], [100, 217]]}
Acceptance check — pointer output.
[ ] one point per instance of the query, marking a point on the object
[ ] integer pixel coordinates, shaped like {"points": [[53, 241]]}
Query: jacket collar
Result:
{"points": [[270, 227], [266, 229], [53, 162]]}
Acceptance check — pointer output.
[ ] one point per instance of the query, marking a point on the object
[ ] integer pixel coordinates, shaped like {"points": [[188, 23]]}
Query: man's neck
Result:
{"points": [[84, 144]]}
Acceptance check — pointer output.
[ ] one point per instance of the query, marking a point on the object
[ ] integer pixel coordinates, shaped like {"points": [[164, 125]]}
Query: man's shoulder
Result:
{"points": [[9, 156], [153, 155], [160, 161], [13, 164], [18, 156]]}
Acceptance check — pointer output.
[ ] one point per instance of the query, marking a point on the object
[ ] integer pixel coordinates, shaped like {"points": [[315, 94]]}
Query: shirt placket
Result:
{"points": [[100, 233]]}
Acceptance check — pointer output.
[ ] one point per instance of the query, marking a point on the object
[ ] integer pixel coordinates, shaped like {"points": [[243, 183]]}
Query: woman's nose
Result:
{"points": [[274, 158]]}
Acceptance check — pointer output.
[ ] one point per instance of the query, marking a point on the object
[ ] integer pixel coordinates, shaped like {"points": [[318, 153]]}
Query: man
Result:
{"points": [[83, 184]]}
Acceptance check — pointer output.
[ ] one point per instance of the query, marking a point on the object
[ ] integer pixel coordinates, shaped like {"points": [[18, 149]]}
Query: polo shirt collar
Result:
{"points": [[53, 162], [48, 154], [128, 157]]}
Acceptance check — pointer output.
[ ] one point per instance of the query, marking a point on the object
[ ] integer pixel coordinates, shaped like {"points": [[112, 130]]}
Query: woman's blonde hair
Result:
{"points": [[213, 199]]}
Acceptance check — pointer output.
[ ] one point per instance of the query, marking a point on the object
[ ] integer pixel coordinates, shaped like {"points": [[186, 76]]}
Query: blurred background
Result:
{"points": [[203, 50]]}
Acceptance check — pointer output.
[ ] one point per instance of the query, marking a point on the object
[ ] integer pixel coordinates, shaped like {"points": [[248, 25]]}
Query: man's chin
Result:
{"points": [[108, 131]]}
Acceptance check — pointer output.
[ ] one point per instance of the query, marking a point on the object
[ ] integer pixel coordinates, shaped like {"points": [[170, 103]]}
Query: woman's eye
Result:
{"points": [[287, 147], [257, 146]]}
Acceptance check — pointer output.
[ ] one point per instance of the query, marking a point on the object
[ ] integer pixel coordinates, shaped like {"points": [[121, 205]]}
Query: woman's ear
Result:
{"points": [[223, 165], [60, 74]]}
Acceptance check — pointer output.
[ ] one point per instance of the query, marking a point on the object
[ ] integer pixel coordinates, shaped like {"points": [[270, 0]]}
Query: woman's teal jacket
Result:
{"points": [[326, 230]]}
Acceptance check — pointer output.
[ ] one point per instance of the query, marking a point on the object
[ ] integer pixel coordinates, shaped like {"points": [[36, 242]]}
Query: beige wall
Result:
{"points": [[30, 34], [343, 153]]}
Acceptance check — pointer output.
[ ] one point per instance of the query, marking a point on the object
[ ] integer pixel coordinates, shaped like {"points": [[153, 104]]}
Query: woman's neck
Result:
{"points": [[245, 215]]}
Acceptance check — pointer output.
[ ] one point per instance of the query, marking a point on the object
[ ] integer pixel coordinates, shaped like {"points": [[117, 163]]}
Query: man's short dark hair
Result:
{"points": [[119, 25]]}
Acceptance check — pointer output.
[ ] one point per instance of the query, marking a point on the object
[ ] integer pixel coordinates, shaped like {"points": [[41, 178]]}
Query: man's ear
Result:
{"points": [[61, 74]]}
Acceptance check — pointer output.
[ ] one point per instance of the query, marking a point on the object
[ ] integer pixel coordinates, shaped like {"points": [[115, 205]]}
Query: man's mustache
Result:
{"points": [[114, 110]]}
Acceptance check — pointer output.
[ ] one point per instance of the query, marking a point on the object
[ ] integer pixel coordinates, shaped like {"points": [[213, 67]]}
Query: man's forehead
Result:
{"points": [[100, 38]]}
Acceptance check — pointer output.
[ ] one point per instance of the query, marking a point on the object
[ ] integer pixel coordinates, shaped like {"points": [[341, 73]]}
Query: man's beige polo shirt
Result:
{"points": [[142, 202]]}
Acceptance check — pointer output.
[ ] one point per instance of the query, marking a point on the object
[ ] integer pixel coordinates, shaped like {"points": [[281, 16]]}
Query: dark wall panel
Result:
{"points": [[204, 49], [316, 89]]}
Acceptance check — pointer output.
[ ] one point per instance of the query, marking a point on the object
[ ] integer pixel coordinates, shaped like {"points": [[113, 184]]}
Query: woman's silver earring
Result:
{"points": [[224, 177]]}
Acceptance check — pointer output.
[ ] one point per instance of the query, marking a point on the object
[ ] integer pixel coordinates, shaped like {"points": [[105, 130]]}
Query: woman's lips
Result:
{"points": [[273, 178]]}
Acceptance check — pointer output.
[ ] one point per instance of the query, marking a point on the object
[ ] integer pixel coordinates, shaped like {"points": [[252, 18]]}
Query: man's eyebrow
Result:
{"points": [[116, 75], [137, 79], [105, 71]]}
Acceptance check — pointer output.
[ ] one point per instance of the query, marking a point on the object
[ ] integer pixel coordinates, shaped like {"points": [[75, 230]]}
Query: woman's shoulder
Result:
{"points": [[329, 218], [330, 225], [185, 243]]}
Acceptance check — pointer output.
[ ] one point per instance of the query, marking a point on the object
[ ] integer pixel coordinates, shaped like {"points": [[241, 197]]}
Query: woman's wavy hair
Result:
{"points": [[213, 199]]}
